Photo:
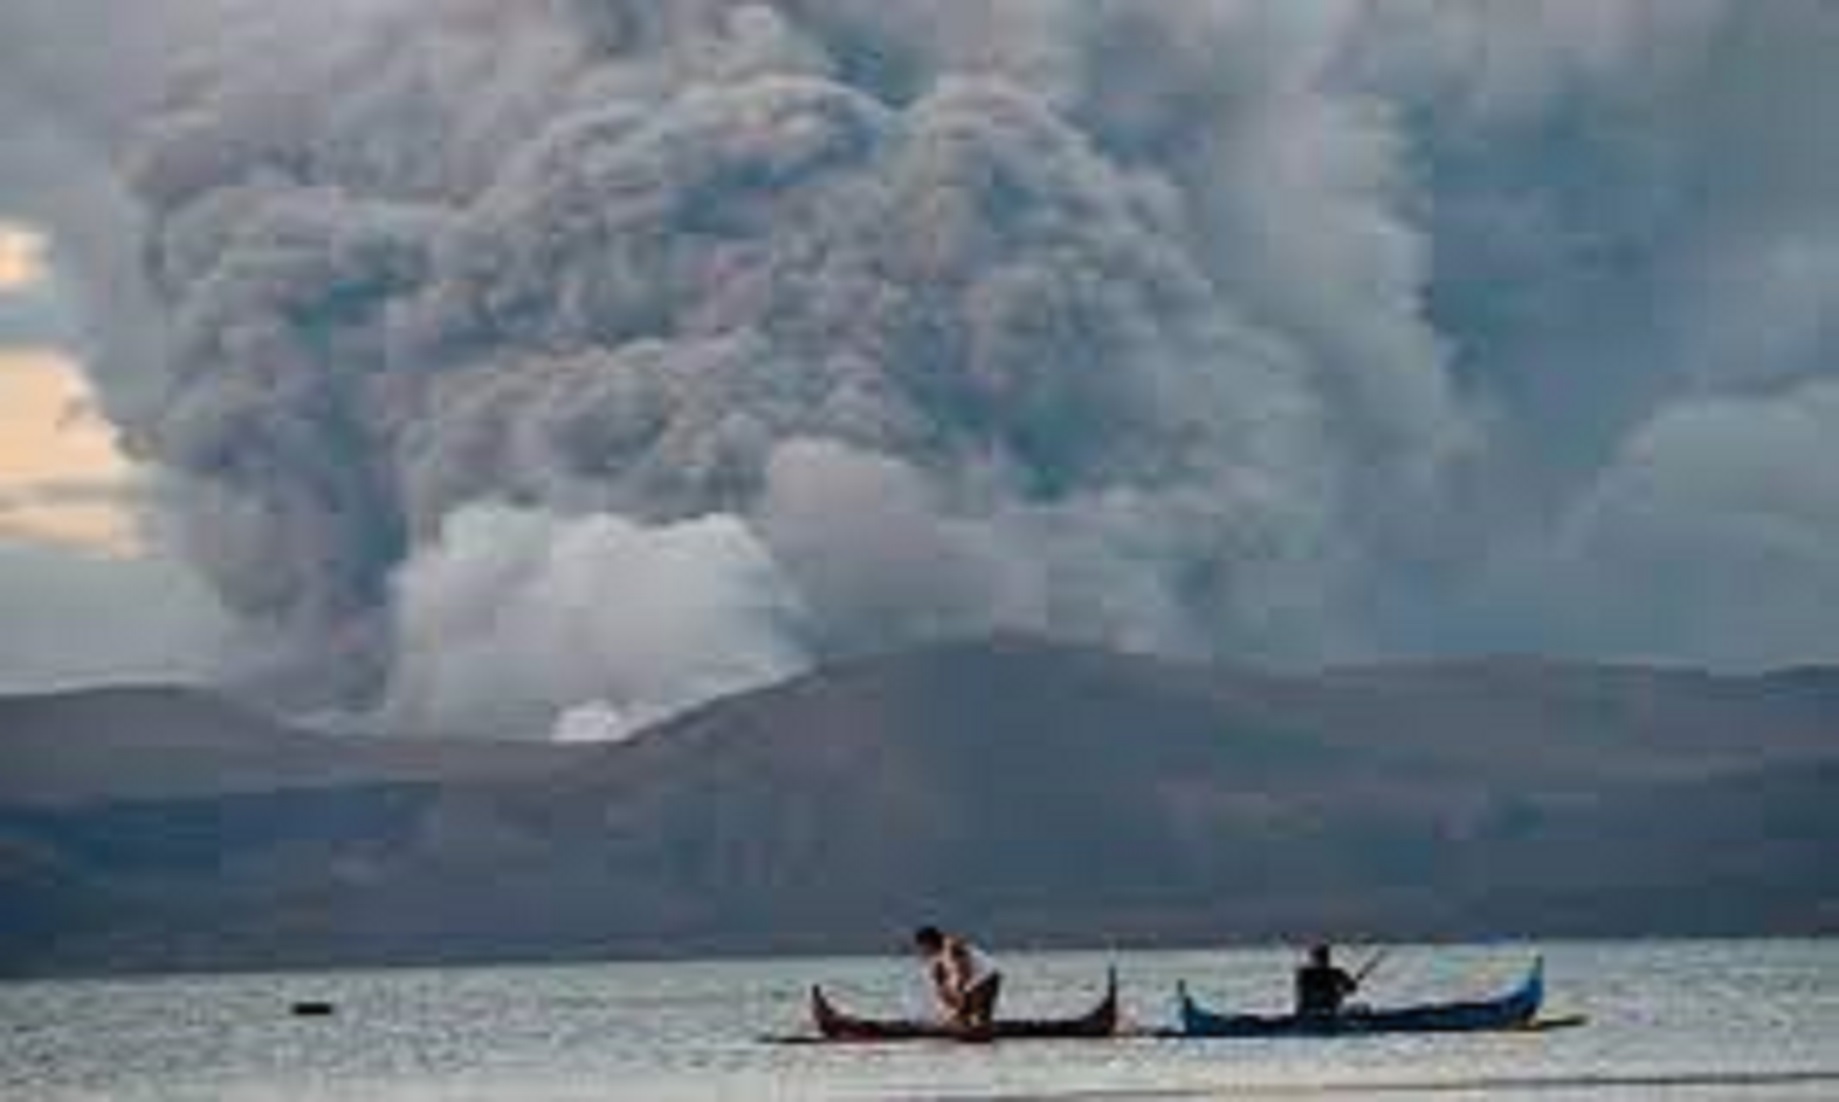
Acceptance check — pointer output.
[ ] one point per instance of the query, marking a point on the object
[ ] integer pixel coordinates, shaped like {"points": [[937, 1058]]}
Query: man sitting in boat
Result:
{"points": [[963, 977], [1321, 987]]}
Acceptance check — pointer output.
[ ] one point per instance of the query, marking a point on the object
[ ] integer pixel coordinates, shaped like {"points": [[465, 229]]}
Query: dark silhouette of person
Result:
{"points": [[1321, 987]]}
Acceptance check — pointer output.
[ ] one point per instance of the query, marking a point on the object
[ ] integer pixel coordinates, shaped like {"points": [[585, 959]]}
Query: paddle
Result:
{"points": [[1365, 970]]}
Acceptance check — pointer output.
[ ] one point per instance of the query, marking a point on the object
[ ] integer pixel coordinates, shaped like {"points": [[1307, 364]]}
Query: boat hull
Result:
{"points": [[836, 1025], [1518, 1009]]}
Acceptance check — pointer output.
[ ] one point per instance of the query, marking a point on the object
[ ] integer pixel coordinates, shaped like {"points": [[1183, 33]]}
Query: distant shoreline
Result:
{"points": [[742, 955]]}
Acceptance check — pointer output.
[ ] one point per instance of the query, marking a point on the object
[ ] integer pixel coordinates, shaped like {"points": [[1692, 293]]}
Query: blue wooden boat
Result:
{"points": [[1517, 1009]]}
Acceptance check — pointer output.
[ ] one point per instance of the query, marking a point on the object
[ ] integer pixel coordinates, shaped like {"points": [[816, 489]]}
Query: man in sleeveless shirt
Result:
{"points": [[963, 977]]}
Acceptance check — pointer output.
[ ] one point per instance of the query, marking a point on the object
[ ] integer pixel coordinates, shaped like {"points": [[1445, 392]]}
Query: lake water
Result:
{"points": [[1737, 1019]]}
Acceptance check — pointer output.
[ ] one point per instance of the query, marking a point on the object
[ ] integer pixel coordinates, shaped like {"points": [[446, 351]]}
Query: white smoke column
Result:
{"points": [[511, 611], [594, 721]]}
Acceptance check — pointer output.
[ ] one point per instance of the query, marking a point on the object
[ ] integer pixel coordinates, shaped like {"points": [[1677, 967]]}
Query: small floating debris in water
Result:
{"points": [[1560, 1021], [311, 1008]]}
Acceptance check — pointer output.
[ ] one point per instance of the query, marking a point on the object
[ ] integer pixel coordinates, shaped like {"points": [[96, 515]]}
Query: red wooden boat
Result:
{"points": [[836, 1025]]}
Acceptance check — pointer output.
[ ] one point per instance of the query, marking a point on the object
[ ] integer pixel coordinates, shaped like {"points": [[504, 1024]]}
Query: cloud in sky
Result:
{"points": [[33, 310], [1297, 332], [22, 258], [62, 475]]}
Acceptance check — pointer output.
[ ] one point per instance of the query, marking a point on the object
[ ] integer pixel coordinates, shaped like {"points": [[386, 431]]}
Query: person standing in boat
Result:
{"points": [[963, 977], [1322, 987]]}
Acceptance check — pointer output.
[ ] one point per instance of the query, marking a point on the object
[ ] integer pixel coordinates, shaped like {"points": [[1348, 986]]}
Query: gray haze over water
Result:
{"points": [[502, 356]]}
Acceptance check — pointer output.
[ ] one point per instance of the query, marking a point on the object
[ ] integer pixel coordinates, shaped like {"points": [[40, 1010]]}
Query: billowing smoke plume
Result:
{"points": [[526, 354], [511, 611]]}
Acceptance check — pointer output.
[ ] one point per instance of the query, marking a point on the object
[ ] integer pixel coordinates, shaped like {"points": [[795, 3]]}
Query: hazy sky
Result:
{"points": [[83, 599], [496, 358]]}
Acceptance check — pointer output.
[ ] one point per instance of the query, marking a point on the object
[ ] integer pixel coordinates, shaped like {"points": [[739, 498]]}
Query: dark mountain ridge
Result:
{"points": [[150, 742], [1037, 792]]}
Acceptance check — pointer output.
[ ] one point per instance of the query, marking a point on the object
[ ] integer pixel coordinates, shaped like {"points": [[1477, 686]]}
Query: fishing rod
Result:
{"points": [[1365, 970]]}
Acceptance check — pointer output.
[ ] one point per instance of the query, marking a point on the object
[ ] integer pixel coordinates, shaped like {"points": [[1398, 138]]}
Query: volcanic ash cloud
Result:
{"points": [[1216, 329]]}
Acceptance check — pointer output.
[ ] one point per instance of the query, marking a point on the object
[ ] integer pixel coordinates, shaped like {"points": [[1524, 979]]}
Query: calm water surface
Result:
{"points": [[1749, 1020]]}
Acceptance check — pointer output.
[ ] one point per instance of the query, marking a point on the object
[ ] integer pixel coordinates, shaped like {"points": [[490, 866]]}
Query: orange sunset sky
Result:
{"points": [[52, 442]]}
